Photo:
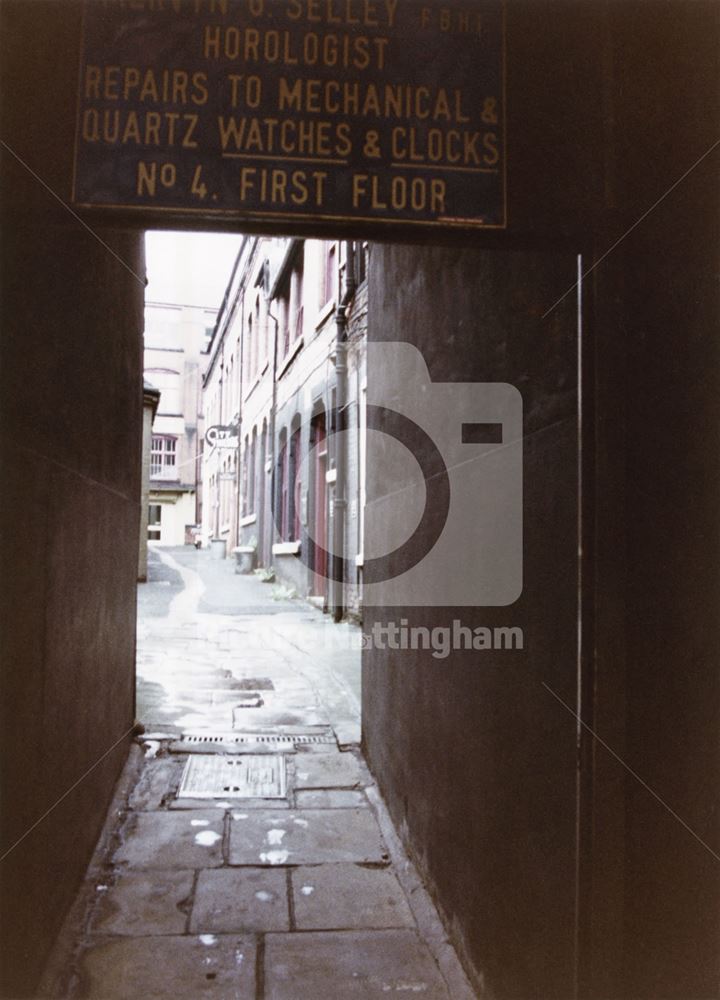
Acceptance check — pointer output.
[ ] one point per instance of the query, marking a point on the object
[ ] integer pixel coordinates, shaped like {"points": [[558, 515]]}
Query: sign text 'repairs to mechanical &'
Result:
{"points": [[387, 111]]}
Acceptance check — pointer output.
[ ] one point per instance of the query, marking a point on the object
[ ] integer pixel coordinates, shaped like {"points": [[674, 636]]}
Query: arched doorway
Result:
{"points": [[318, 503]]}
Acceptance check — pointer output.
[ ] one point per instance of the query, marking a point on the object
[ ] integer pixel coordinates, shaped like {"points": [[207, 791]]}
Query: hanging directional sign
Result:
{"points": [[222, 435], [383, 111]]}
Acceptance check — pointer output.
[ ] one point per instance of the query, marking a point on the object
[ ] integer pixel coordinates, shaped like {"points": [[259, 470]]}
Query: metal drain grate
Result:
{"points": [[260, 776], [268, 739]]}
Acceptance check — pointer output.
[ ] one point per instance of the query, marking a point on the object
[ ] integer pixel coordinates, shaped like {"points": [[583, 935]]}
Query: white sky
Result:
{"points": [[189, 268]]}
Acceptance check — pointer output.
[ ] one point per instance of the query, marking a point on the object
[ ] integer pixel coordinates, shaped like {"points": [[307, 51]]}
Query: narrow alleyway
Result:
{"points": [[275, 874]]}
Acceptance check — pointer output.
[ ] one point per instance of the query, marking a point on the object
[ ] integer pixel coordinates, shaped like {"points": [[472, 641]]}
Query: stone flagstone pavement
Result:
{"points": [[305, 897]]}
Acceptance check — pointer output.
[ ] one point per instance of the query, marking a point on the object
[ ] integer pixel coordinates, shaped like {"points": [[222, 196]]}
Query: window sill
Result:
{"points": [[289, 357], [252, 388], [326, 311], [286, 548], [248, 519]]}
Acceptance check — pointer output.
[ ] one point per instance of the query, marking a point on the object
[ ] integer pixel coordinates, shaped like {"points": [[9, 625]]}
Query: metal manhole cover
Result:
{"points": [[260, 776]]}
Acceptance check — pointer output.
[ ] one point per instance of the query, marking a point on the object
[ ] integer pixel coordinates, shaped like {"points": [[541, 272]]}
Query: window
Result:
{"points": [[258, 332], [288, 488], [280, 498], [250, 349], [289, 306], [296, 293], [294, 522], [283, 313], [154, 520], [329, 276], [361, 262], [246, 476], [318, 515], [251, 474], [162, 457]]}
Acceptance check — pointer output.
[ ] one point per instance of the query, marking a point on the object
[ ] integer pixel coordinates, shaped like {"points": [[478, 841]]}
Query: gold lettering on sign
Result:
{"points": [[389, 101], [140, 128], [277, 47], [274, 186], [130, 83], [295, 107], [378, 192]]}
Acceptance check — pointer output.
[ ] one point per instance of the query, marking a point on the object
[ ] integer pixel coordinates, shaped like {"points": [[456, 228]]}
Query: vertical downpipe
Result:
{"points": [[239, 457], [340, 426], [218, 493], [339, 501], [270, 447]]}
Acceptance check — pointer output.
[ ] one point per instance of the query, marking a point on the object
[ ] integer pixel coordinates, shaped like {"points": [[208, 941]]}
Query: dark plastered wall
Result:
{"points": [[477, 764], [71, 398], [483, 784], [477, 760], [653, 905]]}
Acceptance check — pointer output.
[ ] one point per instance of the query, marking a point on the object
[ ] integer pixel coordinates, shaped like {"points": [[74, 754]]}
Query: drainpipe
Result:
{"points": [[217, 455], [340, 425], [270, 444], [239, 458]]}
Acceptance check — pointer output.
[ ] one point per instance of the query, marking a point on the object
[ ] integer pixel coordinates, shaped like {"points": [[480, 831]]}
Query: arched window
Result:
{"points": [[317, 512], [280, 500], [252, 473], [245, 478], [294, 529], [288, 485]]}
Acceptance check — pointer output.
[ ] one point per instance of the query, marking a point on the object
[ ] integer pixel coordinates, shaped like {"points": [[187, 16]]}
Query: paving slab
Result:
{"points": [[223, 804], [307, 836], [346, 896], [156, 968], [144, 903], [230, 900], [159, 778], [246, 718], [174, 840], [227, 747], [360, 965], [330, 798], [332, 770], [203, 696], [348, 732]]}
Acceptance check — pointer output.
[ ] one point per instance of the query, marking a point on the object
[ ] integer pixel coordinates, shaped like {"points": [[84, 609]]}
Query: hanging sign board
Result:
{"points": [[380, 111], [222, 436]]}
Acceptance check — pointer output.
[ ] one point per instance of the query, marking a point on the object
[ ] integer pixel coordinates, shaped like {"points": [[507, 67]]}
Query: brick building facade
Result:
{"points": [[271, 376]]}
